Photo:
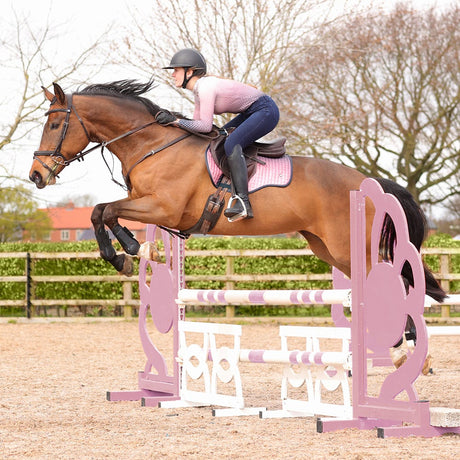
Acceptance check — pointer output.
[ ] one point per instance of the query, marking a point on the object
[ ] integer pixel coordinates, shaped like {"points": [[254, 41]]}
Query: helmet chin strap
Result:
{"points": [[186, 80]]}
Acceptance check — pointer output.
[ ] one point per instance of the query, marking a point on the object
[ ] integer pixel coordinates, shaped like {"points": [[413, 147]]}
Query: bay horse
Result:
{"points": [[169, 182]]}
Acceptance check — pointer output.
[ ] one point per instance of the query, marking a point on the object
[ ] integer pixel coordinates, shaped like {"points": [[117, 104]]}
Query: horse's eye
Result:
{"points": [[54, 126]]}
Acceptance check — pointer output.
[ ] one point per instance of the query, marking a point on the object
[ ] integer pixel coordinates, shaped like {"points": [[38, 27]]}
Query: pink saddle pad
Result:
{"points": [[276, 172]]}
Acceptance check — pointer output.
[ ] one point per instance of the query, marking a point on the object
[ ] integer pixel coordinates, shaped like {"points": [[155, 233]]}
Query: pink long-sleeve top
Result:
{"points": [[213, 96]]}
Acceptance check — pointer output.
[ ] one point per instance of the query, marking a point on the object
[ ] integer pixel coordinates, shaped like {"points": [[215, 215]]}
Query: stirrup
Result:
{"points": [[241, 215]]}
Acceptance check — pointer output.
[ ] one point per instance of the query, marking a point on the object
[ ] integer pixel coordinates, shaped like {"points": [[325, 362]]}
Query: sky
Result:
{"points": [[84, 22]]}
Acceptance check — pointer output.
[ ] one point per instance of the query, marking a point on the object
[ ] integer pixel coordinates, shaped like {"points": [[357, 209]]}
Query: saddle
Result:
{"points": [[270, 149], [254, 155]]}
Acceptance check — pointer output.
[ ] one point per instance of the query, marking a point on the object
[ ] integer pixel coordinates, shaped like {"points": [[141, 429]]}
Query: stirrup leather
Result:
{"points": [[241, 215]]}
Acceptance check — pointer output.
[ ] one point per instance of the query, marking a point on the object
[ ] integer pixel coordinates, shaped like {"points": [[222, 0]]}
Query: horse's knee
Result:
{"points": [[96, 215], [109, 216]]}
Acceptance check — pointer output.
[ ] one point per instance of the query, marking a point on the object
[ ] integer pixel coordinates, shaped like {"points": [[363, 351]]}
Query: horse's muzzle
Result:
{"points": [[37, 179]]}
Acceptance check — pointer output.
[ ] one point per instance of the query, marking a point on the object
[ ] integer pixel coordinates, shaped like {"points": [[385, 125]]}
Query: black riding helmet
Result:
{"points": [[188, 58]]}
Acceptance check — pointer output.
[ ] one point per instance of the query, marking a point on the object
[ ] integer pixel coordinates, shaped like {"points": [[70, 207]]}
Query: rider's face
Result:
{"points": [[178, 75]]}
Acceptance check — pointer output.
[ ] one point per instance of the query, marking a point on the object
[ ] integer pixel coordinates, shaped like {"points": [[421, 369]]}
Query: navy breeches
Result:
{"points": [[255, 122]]}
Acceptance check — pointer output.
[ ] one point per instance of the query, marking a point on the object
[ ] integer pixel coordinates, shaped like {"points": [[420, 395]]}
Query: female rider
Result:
{"points": [[257, 115]]}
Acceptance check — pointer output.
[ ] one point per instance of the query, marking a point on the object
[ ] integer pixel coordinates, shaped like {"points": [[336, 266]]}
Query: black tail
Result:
{"points": [[416, 223]]}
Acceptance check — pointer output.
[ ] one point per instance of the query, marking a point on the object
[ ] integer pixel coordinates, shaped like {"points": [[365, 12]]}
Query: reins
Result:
{"points": [[151, 153]]}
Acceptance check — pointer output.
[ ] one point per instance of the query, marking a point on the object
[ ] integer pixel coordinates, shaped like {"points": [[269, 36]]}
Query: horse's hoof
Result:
{"points": [[427, 365], [149, 251], [398, 356], [128, 266]]}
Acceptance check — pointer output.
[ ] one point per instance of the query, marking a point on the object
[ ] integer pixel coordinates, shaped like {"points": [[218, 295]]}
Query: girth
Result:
{"points": [[212, 210]]}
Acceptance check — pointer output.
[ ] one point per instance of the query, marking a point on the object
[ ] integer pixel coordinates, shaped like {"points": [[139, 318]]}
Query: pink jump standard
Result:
{"points": [[380, 306], [156, 382]]}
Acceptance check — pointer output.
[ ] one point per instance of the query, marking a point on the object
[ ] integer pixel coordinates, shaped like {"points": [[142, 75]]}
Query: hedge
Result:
{"points": [[193, 265]]}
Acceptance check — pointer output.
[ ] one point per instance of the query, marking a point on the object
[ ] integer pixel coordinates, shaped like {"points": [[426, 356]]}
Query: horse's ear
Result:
{"points": [[48, 94], [59, 93]]}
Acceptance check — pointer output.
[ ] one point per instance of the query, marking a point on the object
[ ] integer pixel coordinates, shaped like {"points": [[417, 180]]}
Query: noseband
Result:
{"points": [[56, 154]]}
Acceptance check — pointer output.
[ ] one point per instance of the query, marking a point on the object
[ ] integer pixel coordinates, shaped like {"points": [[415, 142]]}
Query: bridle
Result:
{"points": [[56, 154]]}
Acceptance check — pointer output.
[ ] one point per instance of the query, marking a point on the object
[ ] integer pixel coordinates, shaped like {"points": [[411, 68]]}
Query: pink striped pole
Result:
{"points": [[255, 297], [295, 357]]}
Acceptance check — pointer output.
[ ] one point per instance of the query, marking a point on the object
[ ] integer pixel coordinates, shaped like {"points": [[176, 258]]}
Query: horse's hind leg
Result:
{"points": [[120, 262], [321, 250]]}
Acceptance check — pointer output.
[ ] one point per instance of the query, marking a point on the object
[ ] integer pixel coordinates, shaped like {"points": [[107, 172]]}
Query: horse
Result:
{"points": [[169, 182]]}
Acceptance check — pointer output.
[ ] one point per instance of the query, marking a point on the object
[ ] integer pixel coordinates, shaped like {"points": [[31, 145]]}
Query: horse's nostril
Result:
{"points": [[36, 177]]}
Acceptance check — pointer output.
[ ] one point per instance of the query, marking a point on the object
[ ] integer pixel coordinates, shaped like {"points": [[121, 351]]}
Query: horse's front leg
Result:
{"points": [[142, 210], [120, 262], [109, 216]]}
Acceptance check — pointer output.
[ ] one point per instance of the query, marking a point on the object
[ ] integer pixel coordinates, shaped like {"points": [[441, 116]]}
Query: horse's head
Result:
{"points": [[64, 137]]}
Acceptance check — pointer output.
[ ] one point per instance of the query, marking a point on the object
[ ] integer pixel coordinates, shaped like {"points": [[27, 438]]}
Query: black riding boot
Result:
{"points": [[239, 206]]}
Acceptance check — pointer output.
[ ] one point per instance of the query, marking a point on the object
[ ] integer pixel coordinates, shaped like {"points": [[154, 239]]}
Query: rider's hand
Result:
{"points": [[164, 117]]}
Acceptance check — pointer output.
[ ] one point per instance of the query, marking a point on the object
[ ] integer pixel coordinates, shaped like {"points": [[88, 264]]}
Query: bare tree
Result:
{"points": [[381, 93], [29, 59]]}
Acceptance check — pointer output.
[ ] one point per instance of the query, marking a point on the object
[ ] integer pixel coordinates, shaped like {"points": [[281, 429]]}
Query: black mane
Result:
{"points": [[124, 89]]}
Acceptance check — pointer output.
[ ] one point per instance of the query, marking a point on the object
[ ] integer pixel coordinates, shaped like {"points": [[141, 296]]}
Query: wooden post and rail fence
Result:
{"points": [[31, 303]]}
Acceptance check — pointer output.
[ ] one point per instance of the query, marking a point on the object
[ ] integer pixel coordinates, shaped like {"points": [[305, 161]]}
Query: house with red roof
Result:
{"points": [[71, 223]]}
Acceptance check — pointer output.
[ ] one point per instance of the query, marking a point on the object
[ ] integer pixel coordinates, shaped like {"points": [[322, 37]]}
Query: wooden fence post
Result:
{"points": [[445, 283], [127, 297], [229, 285], [28, 286]]}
